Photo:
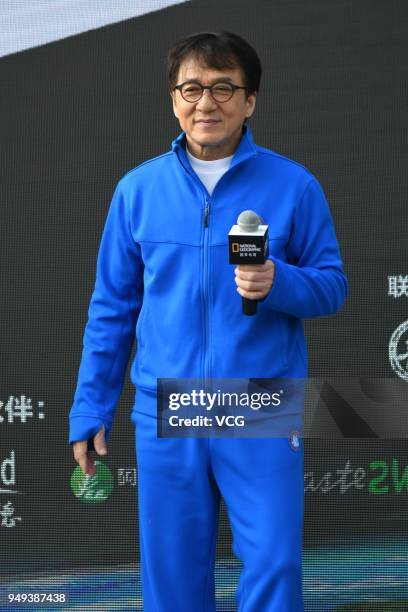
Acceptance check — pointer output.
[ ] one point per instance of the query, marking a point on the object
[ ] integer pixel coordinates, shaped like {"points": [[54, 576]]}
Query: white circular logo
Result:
{"points": [[398, 351]]}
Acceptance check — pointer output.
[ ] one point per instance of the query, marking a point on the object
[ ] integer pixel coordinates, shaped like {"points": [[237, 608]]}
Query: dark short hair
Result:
{"points": [[216, 50]]}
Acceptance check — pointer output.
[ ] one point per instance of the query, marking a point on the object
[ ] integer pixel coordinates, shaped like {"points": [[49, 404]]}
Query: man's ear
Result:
{"points": [[251, 102], [172, 96]]}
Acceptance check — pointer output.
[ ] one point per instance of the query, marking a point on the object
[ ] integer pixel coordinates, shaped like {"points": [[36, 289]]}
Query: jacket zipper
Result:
{"points": [[207, 202], [206, 214], [205, 287]]}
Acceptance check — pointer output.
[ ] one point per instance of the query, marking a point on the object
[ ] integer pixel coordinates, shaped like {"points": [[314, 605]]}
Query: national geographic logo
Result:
{"points": [[238, 247]]}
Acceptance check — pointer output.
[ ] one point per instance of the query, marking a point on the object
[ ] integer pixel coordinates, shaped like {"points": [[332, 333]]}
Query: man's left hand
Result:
{"points": [[254, 282]]}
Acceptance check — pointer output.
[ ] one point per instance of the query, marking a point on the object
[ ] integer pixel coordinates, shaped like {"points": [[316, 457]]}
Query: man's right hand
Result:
{"points": [[82, 456]]}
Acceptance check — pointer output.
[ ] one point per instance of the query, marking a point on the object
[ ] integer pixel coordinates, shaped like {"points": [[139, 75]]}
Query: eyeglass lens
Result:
{"points": [[220, 91]]}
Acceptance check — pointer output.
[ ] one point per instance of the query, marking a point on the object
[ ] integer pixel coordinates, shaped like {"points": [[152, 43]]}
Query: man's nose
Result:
{"points": [[206, 100]]}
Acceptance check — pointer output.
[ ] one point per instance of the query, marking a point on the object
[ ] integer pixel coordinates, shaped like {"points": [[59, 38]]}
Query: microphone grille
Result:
{"points": [[248, 221]]}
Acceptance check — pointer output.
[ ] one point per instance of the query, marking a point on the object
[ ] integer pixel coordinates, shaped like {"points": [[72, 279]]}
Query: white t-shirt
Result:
{"points": [[209, 172]]}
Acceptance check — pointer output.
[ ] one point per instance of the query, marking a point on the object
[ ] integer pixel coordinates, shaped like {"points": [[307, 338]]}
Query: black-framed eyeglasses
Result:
{"points": [[221, 91]]}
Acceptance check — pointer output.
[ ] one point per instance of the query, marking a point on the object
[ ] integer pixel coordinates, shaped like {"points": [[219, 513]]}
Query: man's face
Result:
{"points": [[221, 136]]}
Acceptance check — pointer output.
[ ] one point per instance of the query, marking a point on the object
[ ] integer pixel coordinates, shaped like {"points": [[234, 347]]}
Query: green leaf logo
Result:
{"points": [[92, 489]]}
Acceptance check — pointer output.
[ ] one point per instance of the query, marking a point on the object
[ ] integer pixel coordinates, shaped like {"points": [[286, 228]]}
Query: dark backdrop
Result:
{"points": [[79, 113]]}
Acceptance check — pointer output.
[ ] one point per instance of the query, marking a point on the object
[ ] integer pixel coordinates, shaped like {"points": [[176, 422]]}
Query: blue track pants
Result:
{"points": [[180, 481]]}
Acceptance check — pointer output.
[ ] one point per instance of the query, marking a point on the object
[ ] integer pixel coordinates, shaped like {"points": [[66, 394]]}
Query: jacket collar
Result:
{"points": [[244, 151]]}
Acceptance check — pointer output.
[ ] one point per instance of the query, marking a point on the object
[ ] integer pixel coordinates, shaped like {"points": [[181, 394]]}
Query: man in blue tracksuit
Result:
{"points": [[163, 275]]}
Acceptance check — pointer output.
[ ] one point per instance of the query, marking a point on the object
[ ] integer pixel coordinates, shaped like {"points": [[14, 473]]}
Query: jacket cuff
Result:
{"points": [[85, 428]]}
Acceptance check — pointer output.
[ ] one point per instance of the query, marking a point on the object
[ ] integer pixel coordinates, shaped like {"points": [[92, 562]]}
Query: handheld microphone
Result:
{"points": [[248, 244]]}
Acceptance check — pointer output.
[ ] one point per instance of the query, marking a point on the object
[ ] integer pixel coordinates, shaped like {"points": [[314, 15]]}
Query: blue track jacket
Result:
{"points": [[163, 275]]}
